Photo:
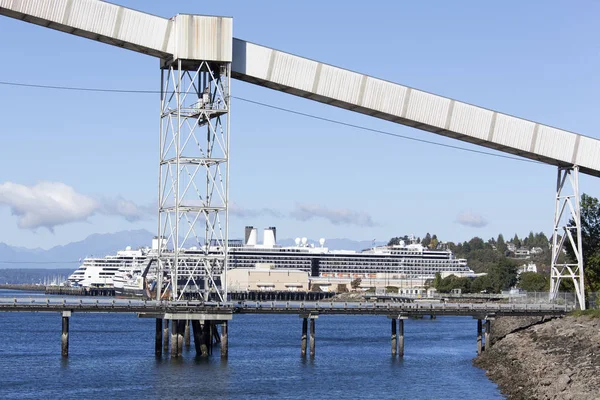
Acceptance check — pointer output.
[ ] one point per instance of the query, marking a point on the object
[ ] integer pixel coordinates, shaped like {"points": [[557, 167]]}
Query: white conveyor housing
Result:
{"points": [[177, 37]]}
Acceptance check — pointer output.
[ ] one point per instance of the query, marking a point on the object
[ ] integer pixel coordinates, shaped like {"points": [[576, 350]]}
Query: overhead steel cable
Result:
{"points": [[333, 121]]}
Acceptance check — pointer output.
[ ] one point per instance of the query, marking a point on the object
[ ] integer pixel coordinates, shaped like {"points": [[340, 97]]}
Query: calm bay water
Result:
{"points": [[112, 356]]}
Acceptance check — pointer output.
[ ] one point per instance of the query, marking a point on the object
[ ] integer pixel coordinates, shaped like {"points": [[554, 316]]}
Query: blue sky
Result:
{"points": [[537, 60]]}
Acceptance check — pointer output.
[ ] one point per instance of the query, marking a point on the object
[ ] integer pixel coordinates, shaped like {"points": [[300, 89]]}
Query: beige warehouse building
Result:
{"points": [[265, 277]]}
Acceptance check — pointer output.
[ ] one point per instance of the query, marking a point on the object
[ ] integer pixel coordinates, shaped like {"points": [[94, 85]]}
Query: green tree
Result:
{"points": [[437, 280], [590, 242], [434, 242], [534, 282], [482, 284], [476, 243], [426, 240], [516, 241], [503, 275], [501, 245], [355, 283]]}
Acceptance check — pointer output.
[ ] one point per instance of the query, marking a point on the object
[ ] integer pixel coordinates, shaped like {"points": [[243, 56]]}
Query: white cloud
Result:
{"points": [[468, 218], [50, 204], [126, 209], [241, 212], [46, 204], [337, 216]]}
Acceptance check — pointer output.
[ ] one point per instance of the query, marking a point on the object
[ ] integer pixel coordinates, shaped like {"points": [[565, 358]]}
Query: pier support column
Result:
{"points": [[303, 339], [204, 339], [488, 328], [479, 345], [394, 338], [312, 336], [174, 345], [224, 340], [180, 331], [197, 332], [165, 336], [186, 334], [65, 333], [158, 337], [401, 336]]}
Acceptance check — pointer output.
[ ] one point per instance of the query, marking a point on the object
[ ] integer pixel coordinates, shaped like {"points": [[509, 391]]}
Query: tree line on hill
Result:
{"points": [[496, 257]]}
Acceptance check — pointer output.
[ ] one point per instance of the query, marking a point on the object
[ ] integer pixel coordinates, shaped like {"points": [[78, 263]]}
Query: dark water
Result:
{"points": [[112, 356]]}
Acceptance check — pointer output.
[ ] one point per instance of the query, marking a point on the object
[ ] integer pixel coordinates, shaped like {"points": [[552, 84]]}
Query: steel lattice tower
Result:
{"points": [[567, 232], [193, 180]]}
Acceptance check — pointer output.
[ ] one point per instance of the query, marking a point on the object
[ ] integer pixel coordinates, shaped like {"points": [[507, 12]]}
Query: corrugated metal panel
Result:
{"points": [[554, 143], [387, 100], [210, 38], [53, 10], [427, 108], [92, 16], [144, 30], [337, 84], [588, 153], [513, 132], [383, 96], [99, 21], [470, 120], [292, 71], [250, 59], [203, 38]]}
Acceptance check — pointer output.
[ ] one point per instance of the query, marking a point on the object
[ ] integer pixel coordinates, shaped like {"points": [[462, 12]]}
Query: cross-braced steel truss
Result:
{"points": [[567, 232], [193, 181]]}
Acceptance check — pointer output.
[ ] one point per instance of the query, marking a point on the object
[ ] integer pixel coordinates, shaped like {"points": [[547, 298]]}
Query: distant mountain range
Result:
{"points": [[99, 245]]}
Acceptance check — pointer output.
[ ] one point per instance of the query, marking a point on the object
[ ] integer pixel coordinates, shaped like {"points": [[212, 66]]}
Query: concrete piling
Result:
{"points": [[180, 331], [303, 339], [479, 344], [65, 333], [197, 332], [186, 334], [174, 346], [401, 337], [205, 339], [488, 329], [158, 337], [166, 336], [224, 340], [394, 338], [312, 336]]}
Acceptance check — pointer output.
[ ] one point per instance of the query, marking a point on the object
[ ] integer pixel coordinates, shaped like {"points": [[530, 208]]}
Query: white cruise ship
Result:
{"points": [[131, 272], [404, 261], [103, 271]]}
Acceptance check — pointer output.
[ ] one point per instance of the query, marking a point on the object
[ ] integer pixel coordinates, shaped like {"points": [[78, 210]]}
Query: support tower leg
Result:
{"points": [[567, 226]]}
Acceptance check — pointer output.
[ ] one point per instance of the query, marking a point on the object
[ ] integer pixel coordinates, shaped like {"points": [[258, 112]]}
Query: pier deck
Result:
{"points": [[482, 310]]}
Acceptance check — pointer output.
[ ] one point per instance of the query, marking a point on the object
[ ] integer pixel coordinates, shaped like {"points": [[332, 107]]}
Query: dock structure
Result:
{"points": [[201, 320]]}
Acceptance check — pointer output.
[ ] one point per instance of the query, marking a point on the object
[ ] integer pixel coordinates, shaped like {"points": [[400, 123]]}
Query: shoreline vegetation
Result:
{"points": [[541, 358]]}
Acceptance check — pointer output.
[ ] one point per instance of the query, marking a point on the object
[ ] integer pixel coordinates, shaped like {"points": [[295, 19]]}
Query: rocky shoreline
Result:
{"points": [[538, 358]]}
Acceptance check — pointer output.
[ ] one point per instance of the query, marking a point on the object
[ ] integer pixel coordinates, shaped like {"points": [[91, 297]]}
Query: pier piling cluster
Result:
{"points": [[204, 332]]}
